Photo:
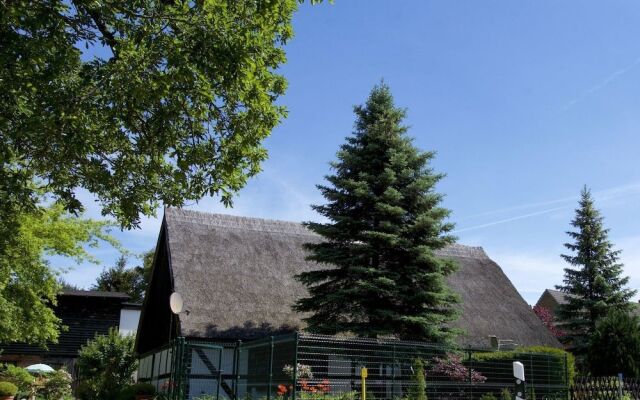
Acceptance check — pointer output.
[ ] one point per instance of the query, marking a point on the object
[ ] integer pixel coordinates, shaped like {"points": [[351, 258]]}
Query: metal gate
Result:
{"points": [[185, 371]]}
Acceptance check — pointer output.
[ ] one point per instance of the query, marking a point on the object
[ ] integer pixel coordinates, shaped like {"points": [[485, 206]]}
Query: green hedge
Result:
{"points": [[557, 354]]}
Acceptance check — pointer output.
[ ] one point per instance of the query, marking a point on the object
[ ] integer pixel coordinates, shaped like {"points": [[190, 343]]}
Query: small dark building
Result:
{"points": [[85, 314]]}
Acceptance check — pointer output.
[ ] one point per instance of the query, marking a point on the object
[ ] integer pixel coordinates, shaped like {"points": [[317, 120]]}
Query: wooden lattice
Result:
{"points": [[604, 388]]}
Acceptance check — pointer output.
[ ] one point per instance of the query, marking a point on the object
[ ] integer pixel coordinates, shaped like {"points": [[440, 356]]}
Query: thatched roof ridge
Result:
{"points": [[236, 275], [236, 222]]}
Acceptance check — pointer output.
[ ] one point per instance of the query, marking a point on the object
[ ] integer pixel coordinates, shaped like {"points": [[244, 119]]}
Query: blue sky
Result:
{"points": [[524, 102]]}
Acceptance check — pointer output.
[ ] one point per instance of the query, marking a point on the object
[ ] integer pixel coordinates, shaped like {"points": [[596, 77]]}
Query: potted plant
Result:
{"points": [[7, 390], [144, 391]]}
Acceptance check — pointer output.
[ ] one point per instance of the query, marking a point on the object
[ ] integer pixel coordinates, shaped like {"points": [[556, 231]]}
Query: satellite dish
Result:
{"points": [[176, 303]]}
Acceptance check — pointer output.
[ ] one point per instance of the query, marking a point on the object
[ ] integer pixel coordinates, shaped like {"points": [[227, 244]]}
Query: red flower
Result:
{"points": [[282, 390], [324, 386]]}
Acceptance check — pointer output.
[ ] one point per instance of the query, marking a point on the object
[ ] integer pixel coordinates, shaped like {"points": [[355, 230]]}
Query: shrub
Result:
{"points": [[125, 394], [506, 394], [8, 389], [18, 376], [453, 367], [521, 354], [55, 385], [532, 394], [106, 365], [615, 346], [488, 396], [142, 388], [419, 389]]}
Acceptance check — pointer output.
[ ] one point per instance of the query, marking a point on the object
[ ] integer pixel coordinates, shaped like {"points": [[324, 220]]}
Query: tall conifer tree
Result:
{"points": [[593, 282], [380, 274]]}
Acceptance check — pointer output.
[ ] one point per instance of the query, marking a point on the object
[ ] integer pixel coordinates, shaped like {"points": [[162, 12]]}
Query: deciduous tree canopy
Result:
{"points": [[28, 286], [139, 102]]}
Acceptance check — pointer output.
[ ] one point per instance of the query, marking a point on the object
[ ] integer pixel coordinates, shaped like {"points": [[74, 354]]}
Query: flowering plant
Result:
{"points": [[321, 388], [303, 371], [548, 320], [452, 367]]}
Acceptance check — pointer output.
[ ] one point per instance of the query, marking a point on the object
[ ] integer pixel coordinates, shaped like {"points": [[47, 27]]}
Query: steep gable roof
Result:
{"points": [[236, 276]]}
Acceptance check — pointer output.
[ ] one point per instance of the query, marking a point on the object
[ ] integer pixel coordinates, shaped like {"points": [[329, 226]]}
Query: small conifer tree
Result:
{"points": [[419, 388], [593, 282]]}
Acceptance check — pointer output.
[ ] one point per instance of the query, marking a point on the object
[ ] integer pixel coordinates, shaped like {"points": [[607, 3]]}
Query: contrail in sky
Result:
{"points": [[602, 195], [604, 83]]}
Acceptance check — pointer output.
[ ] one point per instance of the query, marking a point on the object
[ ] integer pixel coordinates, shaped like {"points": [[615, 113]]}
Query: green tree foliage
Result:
{"points": [[380, 274], [139, 102], [133, 281], [593, 281], [28, 286], [106, 365], [418, 390], [614, 346]]}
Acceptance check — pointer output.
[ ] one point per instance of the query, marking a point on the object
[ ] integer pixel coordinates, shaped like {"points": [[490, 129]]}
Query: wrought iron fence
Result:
{"points": [[317, 367], [605, 388]]}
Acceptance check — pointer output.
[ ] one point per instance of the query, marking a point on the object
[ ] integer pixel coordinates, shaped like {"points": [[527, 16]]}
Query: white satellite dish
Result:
{"points": [[176, 303]]}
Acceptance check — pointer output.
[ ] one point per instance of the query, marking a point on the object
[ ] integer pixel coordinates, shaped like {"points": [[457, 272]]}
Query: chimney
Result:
{"points": [[494, 343]]}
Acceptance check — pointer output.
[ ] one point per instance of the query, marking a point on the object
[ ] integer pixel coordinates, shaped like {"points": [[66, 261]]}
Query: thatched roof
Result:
{"points": [[236, 276]]}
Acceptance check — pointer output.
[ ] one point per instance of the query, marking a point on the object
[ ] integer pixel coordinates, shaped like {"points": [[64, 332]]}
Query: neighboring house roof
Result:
{"points": [[236, 276], [558, 296], [85, 313], [551, 299]]}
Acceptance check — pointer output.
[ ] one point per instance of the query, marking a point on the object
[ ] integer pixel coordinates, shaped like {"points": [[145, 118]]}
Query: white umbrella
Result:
{"points": [[39, 368]]}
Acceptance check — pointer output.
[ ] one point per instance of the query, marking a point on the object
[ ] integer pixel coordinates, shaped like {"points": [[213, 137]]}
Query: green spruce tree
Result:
{"points": [[380, 274], [593, 282]]}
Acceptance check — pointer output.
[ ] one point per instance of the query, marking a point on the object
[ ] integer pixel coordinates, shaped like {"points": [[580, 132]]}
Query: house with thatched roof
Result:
{"points": [[236, 278], [552, 299]]}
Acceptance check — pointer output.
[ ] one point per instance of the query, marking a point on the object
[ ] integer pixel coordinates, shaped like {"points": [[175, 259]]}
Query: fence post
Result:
{"points": [[236, 369], [393, 373], [270, 369], [620, 384], [220, 352], [566, 376], [469, 373], [295, 367], [176, 388]]}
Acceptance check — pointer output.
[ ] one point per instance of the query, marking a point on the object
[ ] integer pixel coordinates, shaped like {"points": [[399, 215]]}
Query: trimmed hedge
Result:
{"points": [[558, 354]]}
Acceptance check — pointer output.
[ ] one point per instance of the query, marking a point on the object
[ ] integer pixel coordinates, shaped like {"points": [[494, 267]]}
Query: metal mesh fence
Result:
{"points": [[316, 367], [450, 373]]}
